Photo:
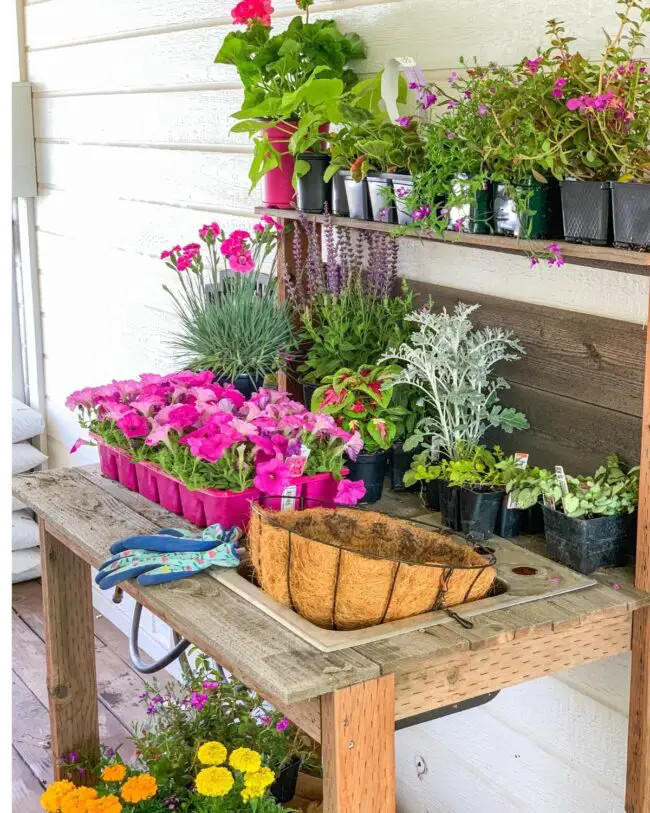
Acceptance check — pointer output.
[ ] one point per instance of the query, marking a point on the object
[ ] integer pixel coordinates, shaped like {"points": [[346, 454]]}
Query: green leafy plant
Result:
{"points": [[361, 402], [528, 486], [299, 75], [451, 364], [477, 468]]}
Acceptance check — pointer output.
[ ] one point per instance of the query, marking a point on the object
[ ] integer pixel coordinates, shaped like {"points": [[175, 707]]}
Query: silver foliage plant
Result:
{"points": [[451, 363]]}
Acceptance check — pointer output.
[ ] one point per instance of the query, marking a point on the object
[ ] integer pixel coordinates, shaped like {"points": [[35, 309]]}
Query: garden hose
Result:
{"points": [[178, 650]]}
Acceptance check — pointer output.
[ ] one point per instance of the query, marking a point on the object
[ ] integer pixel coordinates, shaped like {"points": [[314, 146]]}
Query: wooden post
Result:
{"points": [[70, 651], [358, 746], [637, 798]]}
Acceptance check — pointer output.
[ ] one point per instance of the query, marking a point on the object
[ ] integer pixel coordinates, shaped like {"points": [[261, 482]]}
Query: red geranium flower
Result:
{"points": [[249, 12]]}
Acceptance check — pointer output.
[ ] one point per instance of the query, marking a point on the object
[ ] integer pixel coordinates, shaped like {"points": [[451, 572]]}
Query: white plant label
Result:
{"points": [[288, 502], [561, 479], [521, 462]]}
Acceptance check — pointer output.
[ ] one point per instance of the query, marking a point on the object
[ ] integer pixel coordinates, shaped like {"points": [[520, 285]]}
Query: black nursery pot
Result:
{"points": [[371, 468], [245, 383], [284, 788], [339, 195], [379, 188], [431, 493], [586, 212], [509, 520], [357, 195], [402, 186], [588, 544], [450, 506], [400, 463], [631, 214], [478, 512], [313, 193], [543, 201], [307, 391]]}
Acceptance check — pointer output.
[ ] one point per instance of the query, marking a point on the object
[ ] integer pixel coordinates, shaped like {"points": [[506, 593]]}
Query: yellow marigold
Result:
{"points": [[77, 800], [107, 804], [114, 773], [51, 798], [247, 794], [138, 788], [245, 760], [259, 779], [212, 753], [214, 781]]}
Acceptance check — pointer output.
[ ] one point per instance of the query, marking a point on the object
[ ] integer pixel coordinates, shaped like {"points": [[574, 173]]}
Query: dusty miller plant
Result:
{"points": [[451, 365]]}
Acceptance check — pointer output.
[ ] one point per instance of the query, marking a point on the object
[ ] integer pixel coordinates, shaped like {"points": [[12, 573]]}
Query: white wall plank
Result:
{"points": [[451, 28]]}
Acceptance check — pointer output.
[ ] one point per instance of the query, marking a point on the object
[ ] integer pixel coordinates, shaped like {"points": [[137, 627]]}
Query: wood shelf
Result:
{"points": [[616, 259]]}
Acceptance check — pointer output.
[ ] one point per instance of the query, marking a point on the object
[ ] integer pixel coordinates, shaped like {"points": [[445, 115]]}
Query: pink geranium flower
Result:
{"points": [[349, 492], [272, 477], [133, 425]]}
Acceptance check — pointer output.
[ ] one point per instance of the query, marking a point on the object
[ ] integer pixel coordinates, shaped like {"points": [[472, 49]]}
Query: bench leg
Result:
{"points": [[637, 797], [358, 744], [70, 651]]}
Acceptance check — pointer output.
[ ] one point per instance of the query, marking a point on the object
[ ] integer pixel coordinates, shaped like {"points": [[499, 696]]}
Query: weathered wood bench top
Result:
{"points": [[433, 668]]}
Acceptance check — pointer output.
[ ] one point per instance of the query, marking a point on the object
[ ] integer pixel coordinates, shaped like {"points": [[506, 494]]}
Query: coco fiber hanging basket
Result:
{"points": [[347, 569]]}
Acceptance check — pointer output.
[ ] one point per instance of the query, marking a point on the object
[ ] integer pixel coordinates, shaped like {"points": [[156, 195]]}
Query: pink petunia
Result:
{"points": [[180, 416], [349, 492], [354, 446], [148, 404], [79, 442], [133, 425], [114, 410], [159, 434], [272, 477]]}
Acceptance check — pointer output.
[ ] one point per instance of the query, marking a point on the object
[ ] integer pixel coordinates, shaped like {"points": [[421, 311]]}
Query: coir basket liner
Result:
{"points": [[347, 569]]}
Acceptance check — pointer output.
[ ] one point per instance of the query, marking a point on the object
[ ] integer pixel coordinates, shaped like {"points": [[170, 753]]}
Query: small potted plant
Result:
{"points": [[521, 511], [230, 320], [291, 81], [589, 521], [361, 402]]}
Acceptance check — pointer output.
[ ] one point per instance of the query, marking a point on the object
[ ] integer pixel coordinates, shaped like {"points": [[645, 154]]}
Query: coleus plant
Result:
{"points": [[208, 435], [360, 402]]}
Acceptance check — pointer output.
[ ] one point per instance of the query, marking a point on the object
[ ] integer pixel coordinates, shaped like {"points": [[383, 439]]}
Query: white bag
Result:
{"points": [[26, 422], [24, 531], [25, 457], [25, 565]]}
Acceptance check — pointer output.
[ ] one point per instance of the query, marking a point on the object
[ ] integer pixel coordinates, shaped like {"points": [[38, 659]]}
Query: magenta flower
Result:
{"points": [[272, 477], [533, 64], [560, 82], [534, 261], [241, 263], [401, 192], [272, 222], [468, 94], [557, 93], [180, 416], [575, 103], [404, 121], [210, 684], [197, 700], [452, 77], [159, 434], [482, 110], [428, 100], [209, 232], [115, 410], [450, 135], [265, 719], [452, 104], [133, 425], [79, 442], [283, 724], [349, 492], [148, 404]]}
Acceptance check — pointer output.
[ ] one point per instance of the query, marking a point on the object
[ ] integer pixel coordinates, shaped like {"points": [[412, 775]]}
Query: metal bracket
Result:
{"points": [[445, 711]]}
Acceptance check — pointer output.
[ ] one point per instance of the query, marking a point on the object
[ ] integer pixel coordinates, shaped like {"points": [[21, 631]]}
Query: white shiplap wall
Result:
{"points": [[134, 153]]}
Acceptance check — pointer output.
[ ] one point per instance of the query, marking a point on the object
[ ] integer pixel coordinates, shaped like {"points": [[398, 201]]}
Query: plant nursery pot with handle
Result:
{"points": [[478, 512], [371, 469], [290, 499], [450, 505], [126, 472], [339, 195], [357, 195], [313, 193], [586, 212], [147, 477], [631, 214], [351, 568], [588, 544], [380, 187]]}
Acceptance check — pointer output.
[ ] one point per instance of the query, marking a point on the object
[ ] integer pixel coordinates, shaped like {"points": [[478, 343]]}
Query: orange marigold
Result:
{"points": [[138, 788], [107, 804], [77, 800], [51, 799], [114, 773]]}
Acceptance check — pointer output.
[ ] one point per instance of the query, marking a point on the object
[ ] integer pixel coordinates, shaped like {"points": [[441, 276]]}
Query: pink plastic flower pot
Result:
{"points": [[277, 189], [168, 492], [126, 470], [147, 481], [229, 508], [192, 504], [274, 501], [107, 460], [320, 488]]}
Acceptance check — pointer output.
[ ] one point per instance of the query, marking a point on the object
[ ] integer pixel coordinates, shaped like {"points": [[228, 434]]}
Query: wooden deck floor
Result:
{"points": [[118, 689]]}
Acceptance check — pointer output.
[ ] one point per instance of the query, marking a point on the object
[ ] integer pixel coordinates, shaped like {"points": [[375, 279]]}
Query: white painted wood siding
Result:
{"points": [[134, 154]]}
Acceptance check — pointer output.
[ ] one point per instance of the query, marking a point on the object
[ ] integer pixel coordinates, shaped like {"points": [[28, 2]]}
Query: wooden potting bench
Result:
{"points": [[350, 700]]}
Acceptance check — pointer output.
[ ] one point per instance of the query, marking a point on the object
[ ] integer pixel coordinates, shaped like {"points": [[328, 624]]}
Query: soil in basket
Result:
{"points": [[348, 569]]}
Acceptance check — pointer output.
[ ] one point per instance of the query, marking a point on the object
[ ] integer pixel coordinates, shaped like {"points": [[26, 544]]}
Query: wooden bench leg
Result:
{"points": [[358, 745], [70, 650], [637, 797]]}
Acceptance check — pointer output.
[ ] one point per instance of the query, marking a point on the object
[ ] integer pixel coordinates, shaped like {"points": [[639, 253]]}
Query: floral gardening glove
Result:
{"points": [[164, 557]]}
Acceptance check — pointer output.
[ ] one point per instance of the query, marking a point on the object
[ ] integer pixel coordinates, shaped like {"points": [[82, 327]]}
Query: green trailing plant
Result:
{"points": [[451, 364], [300, 75], [361, 401]]}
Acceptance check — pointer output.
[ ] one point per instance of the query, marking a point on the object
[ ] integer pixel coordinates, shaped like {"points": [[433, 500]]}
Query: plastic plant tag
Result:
{"points": [[289, 499], [297, 463], [549, 501], [390, 82], [561, 479]]}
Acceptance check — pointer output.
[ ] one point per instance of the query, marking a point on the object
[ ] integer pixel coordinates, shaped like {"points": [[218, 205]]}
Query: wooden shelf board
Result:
{"points": [[617, 259]]}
